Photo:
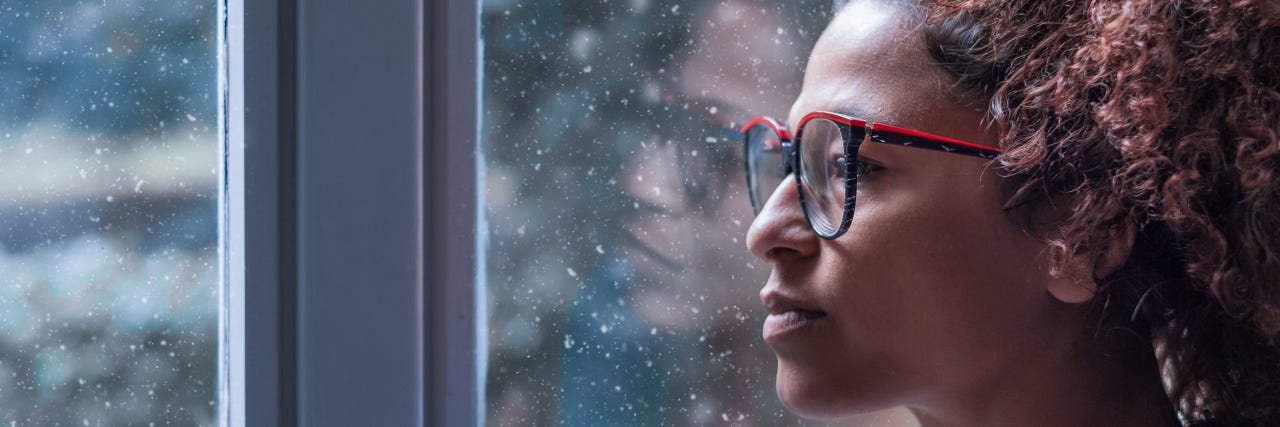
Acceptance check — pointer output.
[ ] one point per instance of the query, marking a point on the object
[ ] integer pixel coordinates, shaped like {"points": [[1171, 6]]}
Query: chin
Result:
{"points": [[825, 397], [817, 399]]}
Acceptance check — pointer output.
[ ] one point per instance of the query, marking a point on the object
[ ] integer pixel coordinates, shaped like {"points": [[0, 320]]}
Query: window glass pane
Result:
{"points": [[108, 212], [619, 286]]}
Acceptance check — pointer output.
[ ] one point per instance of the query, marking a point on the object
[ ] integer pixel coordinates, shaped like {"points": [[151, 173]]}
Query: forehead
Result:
{"points": [[871, 63]]}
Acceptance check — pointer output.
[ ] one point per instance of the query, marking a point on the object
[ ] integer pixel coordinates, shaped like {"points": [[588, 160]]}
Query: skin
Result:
{"points": [[934, 299]]}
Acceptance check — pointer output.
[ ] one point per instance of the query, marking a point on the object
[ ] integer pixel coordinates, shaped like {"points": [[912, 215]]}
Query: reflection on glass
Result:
{"points": [[620, 290], [108, 231]]}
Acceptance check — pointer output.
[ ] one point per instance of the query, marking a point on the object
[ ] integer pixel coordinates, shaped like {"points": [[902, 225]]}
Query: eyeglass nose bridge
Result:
{"points": [[788, 155]]}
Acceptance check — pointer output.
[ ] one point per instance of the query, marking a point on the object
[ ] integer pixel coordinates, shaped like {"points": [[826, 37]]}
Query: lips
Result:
{"points": [[788, 316]]}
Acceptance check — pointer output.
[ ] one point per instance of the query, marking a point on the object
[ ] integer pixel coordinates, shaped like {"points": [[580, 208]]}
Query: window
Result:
{"points": [[351, 213], [620, 290], [109, 243], [375, 255], [322, 214]]}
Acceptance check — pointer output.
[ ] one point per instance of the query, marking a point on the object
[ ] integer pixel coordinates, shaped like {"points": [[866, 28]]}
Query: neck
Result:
{"points": [[1112, 380]]}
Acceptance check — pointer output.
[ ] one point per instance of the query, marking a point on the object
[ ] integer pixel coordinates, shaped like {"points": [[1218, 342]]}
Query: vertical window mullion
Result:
{"points": [[258, 207], [454, 232], [359, 213], [324, 213]]}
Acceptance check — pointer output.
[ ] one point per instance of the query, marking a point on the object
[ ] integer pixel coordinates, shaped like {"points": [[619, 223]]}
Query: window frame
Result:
{"points": [[351, 276]]}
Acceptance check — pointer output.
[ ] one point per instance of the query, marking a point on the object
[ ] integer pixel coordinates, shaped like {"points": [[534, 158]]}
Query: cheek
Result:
{"points": [[943, 281]]}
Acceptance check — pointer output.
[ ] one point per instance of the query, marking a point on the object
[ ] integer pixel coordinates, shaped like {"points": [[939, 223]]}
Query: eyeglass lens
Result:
{"points": [[766, 164], [823, 168]]}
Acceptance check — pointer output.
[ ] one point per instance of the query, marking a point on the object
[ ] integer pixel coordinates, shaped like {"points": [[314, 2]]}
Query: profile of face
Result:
{"points": [[933, 292]]}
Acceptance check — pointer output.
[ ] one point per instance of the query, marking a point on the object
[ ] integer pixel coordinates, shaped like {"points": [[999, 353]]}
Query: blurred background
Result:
{"points": [[620, 289], [108, 212]]}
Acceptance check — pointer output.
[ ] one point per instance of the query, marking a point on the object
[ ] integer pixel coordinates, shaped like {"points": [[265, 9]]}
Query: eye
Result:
{"points": [[836, 166], [866, 170]]}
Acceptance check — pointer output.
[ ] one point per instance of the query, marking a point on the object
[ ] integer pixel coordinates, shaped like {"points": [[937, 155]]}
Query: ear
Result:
{"points": [[1078, 281]]}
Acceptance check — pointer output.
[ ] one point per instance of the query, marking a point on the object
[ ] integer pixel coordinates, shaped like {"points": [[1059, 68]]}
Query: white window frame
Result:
{"points": [[353, 239]]}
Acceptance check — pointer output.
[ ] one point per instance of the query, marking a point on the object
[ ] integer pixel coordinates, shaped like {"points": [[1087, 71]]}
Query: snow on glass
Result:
{"points": [[108, 308], [619, 288]]}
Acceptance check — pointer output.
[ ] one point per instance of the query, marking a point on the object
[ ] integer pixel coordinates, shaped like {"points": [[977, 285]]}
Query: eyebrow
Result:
{"points": [[864, 115], [847, 110]]}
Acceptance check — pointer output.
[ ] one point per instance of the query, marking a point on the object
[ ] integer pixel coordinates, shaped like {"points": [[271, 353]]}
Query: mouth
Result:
{"points": [[789, 317]]}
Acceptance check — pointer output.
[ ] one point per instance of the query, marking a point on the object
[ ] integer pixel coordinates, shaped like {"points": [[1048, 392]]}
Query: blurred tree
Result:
{"points": [[108, 220], [117, 68]]}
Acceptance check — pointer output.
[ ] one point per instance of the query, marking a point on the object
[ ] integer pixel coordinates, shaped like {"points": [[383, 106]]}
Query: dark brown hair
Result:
{"points": [[1160, 117]]}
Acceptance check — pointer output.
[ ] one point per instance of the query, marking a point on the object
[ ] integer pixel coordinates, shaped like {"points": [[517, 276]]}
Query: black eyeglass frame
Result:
{"points": [[854, 131]]}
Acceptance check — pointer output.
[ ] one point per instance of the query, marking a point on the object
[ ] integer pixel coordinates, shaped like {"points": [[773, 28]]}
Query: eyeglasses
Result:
{"points": [[824, 157]]}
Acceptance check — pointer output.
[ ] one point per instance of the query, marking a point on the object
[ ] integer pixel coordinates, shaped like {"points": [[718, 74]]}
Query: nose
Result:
{"points": [[780, 231]]}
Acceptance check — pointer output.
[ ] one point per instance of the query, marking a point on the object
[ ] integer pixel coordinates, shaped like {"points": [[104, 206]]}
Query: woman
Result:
{"points": [[1089, 235]]}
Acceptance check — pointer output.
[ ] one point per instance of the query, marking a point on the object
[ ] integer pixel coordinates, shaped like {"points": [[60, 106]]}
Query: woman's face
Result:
{"points": [[932, 291]]}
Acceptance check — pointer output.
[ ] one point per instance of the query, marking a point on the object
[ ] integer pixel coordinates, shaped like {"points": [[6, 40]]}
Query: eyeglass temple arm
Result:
{"points": [[888, 134]]}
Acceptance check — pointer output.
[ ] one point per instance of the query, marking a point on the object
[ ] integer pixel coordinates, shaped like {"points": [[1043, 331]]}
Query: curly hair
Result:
{"points": [[1161, 119]]}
